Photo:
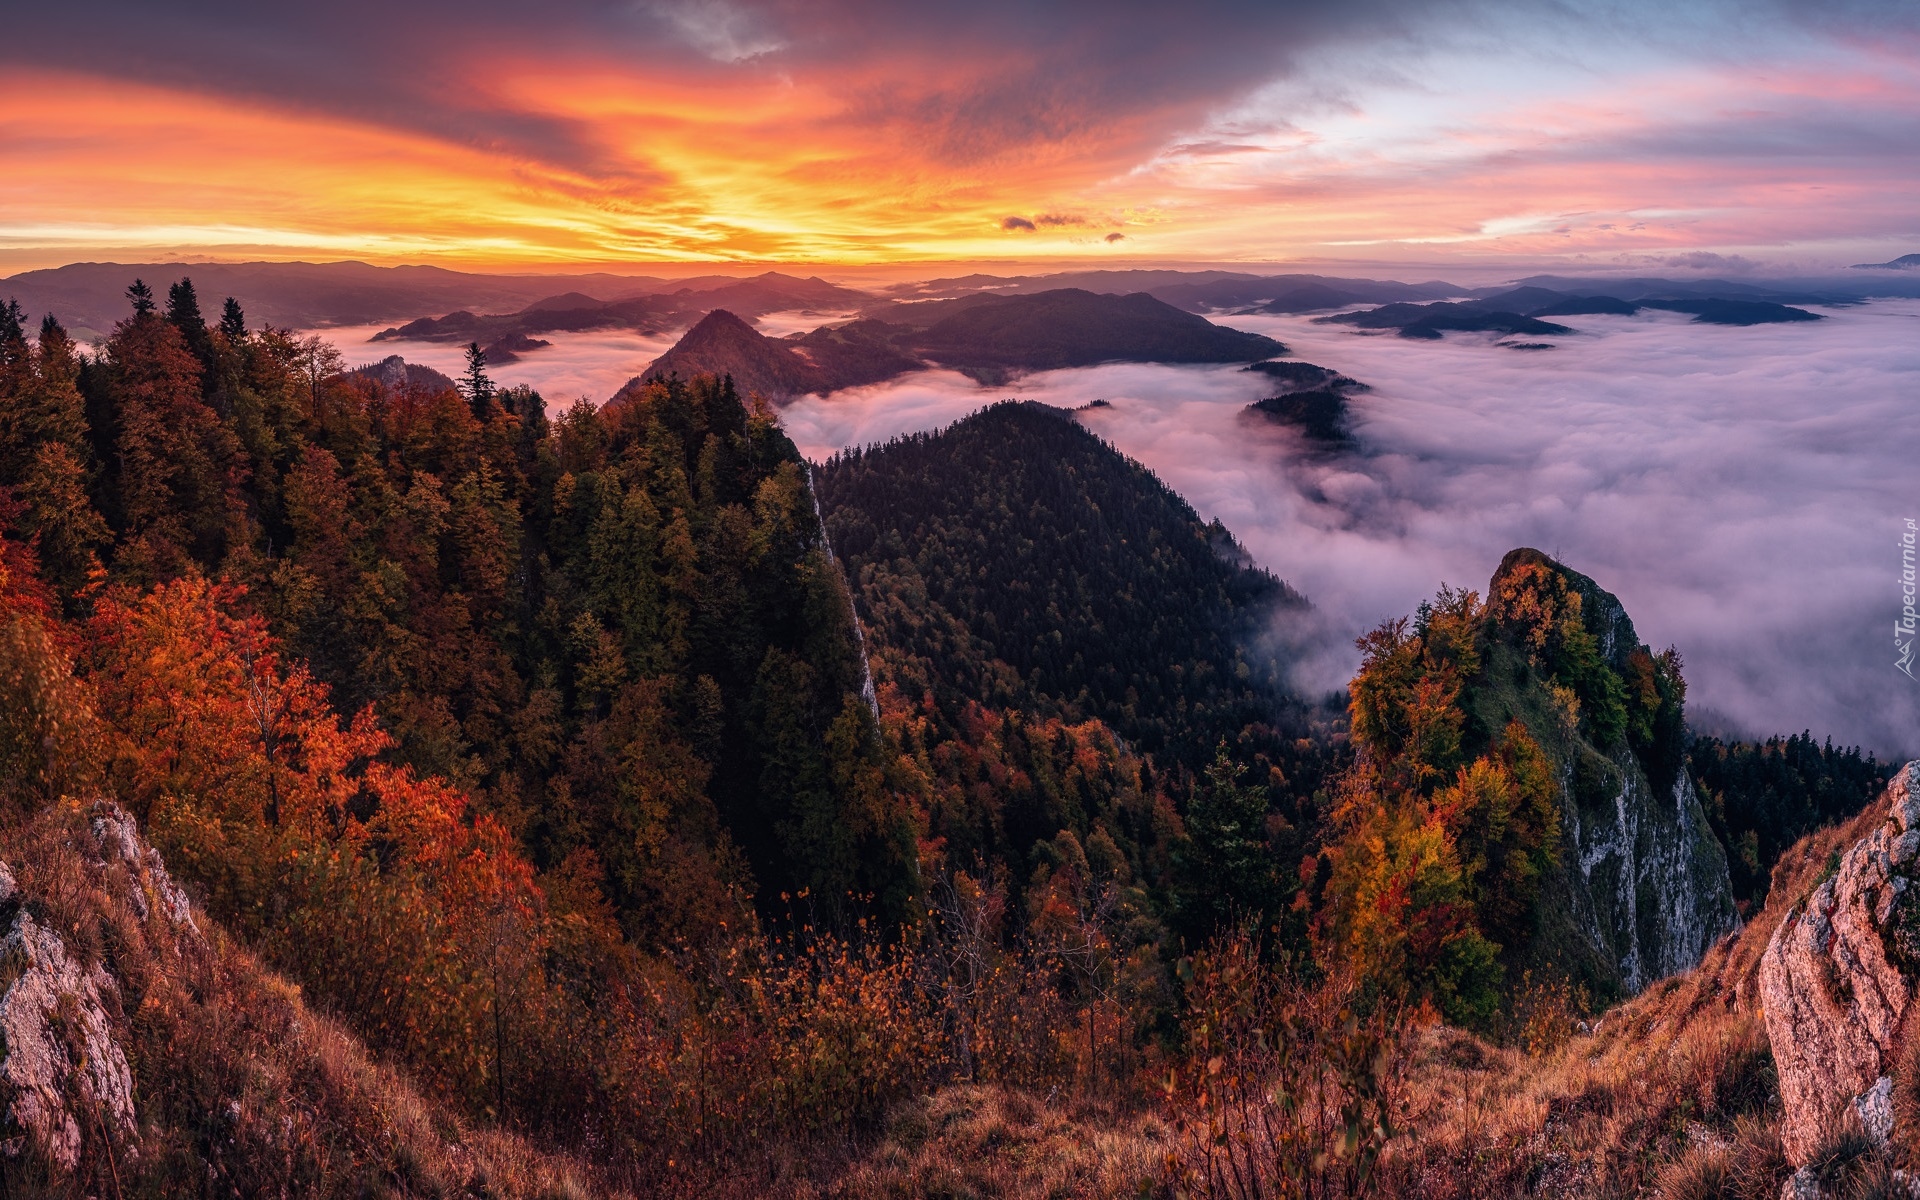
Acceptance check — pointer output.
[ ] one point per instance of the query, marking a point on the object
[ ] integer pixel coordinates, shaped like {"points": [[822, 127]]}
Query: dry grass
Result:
{"points": [[1672, 1094], [239, 1088], [964, 1143]]}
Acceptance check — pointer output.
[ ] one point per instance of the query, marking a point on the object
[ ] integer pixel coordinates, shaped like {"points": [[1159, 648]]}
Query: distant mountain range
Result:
{"points": [[1906, 262], [1520, 311], [1195, 291], [90, 297], [989, 337], [507, 314], [655, 312]]}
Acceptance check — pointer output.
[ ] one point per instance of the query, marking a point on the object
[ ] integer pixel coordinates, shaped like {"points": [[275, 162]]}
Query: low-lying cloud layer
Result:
{"points": [[1741, 490], [592, 365]]}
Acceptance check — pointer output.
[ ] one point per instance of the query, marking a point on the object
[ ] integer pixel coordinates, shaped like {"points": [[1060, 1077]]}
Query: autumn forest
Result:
{"points": [[660, 813]]}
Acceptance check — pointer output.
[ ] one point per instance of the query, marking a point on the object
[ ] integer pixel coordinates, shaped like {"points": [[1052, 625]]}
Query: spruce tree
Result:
{"points": [[1227, 867], [474, 384], [183, 312], [13, 341], [233, 322], [141, 296]]}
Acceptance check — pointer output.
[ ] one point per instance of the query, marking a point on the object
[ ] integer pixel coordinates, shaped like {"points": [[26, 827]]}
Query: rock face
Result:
{"points": [[1838, 979], [62, 1065], [1655, 880]]}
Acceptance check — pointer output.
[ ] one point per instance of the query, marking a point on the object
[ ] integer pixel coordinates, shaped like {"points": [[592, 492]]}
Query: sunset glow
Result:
{"points": [[714, 132]]}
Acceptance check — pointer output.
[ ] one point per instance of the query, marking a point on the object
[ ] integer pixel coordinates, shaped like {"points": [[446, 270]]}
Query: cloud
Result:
{"points": [[1017, 223], [721, 31], [577, 365], [1705, 260], [1116, 236], [863, 130], [1739, 489]]}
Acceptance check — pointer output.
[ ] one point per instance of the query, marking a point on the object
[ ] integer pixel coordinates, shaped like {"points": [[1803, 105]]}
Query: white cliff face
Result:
{"points": [[61, 1060], [1838, 978], [867, 691], [1654, 876]]}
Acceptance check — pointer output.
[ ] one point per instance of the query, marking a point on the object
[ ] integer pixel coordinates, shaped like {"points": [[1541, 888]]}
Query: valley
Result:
{"points": [[1056, 743]]}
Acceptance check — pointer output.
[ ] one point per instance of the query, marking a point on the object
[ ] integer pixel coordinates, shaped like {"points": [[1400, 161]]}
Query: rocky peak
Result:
{"points": [[1641, 888]]}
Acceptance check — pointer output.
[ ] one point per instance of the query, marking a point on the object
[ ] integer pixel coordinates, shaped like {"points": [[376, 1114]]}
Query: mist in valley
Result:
{"points": [[1741, 489]]}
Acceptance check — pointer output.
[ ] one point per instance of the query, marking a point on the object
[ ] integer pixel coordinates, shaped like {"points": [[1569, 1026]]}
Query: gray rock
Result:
{"points": [[1838, 977], [60, 1048], [119, 840]]}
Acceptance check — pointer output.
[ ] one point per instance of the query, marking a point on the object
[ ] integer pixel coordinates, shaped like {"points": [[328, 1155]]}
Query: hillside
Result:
{"points": [[723, 344], [1311, 399], [1035, 603], [1069, 327], [1075, 574]]}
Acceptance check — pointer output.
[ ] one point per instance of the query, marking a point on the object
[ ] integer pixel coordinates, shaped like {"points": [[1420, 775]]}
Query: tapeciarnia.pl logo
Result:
{"points": [[1903, 629]]}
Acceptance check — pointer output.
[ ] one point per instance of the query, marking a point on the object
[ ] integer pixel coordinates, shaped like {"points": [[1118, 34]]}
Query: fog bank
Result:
{"points": [[1741, 490]]}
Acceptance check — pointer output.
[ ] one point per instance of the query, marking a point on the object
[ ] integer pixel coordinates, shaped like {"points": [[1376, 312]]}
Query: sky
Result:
{"points": [[1763, 133]]}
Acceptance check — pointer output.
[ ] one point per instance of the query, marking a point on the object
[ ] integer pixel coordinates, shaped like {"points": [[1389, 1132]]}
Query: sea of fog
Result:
{"points": [[1743, 491]]}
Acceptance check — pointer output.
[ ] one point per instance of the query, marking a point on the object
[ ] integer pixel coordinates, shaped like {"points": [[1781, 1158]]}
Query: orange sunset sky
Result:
{"points": [[515, 136]]}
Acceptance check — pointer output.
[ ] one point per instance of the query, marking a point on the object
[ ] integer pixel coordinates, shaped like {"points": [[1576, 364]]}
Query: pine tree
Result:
{"points": [[233, 322], [142, 297], [1228, 867], [183, 312], [475, 385], [14, 354]]}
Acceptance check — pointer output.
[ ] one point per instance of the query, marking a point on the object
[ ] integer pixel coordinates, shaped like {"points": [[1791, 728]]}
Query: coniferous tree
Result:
{"points": [[11, 329], [14, 354], [1227, 867], [233, 322], [474, 384], [141, 296], [183, 313]]}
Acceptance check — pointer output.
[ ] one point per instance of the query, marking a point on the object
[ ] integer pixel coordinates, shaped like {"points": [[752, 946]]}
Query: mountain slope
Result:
{"points": [[146, 1053], [1015, 559], [1069, 327], [723, 344], [1643, 888]]}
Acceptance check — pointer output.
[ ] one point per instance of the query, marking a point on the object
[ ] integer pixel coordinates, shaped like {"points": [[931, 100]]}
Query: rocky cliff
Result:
{"points": [[1837, 983], [1641, 889]]}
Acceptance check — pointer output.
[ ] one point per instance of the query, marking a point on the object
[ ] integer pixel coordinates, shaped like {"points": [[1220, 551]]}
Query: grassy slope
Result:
{"points": [[239, 1087], [1667, 1091]]}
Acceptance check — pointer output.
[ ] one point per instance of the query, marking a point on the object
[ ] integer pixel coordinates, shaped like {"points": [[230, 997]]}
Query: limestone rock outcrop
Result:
{"points": [[1838, 979], [64, 1073]]}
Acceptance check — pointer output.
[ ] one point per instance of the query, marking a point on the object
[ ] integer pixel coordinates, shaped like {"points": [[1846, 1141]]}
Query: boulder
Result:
{"points": [[1838, 977], [63, 1063], [63, 1071]]}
